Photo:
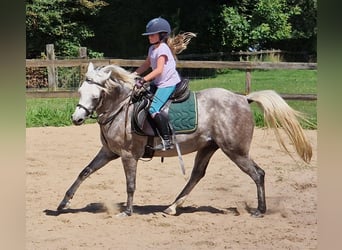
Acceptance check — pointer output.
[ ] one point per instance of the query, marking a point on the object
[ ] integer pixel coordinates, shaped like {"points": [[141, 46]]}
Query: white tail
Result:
{"points": [[278, 114]]}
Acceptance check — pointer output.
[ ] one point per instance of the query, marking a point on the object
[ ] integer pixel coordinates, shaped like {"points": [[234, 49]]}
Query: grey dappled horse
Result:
{"points": [[225, 121]]}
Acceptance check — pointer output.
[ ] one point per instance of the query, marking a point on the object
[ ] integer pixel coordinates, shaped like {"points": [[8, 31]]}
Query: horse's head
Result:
{"points": [[93, 89], [91, 92]]}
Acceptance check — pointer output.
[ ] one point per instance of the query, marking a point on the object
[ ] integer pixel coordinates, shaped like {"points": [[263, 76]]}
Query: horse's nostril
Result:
{"points": [[78, 121]]}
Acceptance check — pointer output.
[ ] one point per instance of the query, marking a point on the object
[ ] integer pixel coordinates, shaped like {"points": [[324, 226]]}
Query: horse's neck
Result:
{"points": [[114, 100]]}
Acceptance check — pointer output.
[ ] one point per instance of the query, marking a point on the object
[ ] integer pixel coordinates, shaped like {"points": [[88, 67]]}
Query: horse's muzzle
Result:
{"points": [[77, 119], [77, 122]]}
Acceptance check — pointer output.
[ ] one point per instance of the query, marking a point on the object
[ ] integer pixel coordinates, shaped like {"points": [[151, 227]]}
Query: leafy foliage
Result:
{"points": [[305, 25], [113, 28], [61, 22], [254, 23]]}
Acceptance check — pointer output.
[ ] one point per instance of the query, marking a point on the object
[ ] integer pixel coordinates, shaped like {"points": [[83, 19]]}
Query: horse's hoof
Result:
{"points": [[63, 205], [171, 210], [123, 215], [257, 214]]}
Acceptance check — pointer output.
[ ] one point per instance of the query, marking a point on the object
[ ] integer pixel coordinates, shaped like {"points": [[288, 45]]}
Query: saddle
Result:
{"points": [[181, 92], [181, 99], [141, 121]]}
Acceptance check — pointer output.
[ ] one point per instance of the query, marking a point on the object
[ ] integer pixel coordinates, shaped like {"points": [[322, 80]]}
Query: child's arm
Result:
{"points": [[144, 66], [158, 70]]}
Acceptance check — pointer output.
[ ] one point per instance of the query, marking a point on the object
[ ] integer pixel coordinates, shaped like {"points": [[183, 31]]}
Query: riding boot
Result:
{"points": [[164, 131]]}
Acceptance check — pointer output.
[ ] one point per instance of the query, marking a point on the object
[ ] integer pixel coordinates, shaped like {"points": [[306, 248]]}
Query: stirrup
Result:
{"points": [[164, 145]]}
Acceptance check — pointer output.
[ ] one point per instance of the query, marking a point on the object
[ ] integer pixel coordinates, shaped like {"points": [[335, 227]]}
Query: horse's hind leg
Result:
{"points": [[100, 160], [248, 166], [201, 162]]}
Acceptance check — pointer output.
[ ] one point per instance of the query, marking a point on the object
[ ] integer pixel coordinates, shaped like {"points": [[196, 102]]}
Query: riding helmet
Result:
{"points": [[157, 25]]}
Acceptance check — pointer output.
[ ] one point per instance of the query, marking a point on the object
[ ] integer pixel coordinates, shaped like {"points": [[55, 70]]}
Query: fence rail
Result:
{"points": [[248, 66], [181, 64]]}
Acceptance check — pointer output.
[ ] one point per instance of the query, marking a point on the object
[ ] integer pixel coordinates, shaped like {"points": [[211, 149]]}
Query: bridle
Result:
{"points": [[99, 117], [89, 113], [85, 109]]}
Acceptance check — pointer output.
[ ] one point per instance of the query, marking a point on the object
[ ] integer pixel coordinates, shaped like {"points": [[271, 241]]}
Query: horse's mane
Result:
{"points": [[119, 75]]}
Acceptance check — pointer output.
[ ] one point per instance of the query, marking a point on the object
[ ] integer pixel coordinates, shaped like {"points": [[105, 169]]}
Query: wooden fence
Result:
{"points": [[51, 63]]}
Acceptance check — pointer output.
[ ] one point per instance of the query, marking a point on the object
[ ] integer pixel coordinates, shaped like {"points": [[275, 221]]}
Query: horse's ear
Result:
{"points": [[107, 70], [90, 67]]}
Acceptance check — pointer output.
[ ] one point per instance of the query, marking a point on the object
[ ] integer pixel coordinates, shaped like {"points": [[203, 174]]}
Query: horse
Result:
{"points": [[225, 122]]}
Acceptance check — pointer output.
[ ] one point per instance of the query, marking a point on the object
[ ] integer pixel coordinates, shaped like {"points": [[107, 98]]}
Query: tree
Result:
{"points": [[253, 23], [305, 24], [304, 27], [61, 22], [221, 25]]}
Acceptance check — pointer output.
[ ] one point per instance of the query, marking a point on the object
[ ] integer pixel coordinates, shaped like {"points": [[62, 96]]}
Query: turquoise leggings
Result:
{"points": [[160, 98]]}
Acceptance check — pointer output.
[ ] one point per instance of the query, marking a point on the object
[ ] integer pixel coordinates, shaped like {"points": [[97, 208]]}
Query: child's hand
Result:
{"points": [[139, 82]]}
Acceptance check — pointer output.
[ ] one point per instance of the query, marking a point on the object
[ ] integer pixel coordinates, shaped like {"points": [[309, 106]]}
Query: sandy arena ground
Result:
{"points": [[213, 217]]}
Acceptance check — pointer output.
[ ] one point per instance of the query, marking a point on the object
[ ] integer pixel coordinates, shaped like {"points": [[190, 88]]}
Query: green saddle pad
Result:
{"points": [[183, 115]]}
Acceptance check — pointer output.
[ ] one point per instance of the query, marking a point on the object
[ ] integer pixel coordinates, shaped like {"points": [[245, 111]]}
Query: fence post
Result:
{"points": [[52, 78], [248, 81], [82, 53]]}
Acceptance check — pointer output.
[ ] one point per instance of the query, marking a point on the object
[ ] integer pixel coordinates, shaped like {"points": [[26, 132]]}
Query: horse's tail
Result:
{"points": [[277, 113]]}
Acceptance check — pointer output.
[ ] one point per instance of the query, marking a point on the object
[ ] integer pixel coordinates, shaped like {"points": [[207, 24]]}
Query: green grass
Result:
{"points": [[57, 111], [281, 81]]}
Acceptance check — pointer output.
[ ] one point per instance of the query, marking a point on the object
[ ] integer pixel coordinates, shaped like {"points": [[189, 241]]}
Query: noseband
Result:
{"points": [[86, 110]]}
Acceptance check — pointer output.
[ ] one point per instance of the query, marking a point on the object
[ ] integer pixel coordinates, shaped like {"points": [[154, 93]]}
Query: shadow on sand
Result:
{"points": [[142, 210]]}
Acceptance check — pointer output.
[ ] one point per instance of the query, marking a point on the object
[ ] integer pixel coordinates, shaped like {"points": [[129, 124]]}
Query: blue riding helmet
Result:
{"points": [[157, 25]]}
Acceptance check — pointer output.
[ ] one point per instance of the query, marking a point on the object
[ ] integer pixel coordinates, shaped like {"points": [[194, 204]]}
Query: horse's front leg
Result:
{"points": [[130, 168], [101, 159]]}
